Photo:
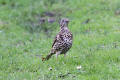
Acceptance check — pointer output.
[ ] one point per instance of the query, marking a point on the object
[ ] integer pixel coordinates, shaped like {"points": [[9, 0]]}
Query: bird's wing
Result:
{"points": [[57, 39], [54, 41]]}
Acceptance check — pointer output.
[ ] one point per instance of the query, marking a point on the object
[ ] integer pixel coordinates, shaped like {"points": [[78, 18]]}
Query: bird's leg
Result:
{"points": [[57, 53], [64, 55]]}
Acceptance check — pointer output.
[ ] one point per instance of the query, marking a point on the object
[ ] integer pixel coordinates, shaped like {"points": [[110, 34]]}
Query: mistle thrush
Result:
{"points": [[63, 40]]}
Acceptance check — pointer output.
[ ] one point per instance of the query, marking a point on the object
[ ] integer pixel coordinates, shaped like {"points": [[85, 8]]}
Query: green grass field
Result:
{"points": [[95, 25]]}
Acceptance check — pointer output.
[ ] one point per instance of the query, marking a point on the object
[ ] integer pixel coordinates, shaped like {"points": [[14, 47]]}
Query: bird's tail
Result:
{"points": [[47, 57]]}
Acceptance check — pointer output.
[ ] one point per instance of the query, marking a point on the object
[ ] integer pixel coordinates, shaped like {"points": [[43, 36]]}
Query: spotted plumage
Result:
{"points": [[63, 40]]}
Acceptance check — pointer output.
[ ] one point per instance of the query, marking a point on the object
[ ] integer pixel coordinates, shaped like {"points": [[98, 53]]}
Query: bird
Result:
{"points": [[62, 42]]}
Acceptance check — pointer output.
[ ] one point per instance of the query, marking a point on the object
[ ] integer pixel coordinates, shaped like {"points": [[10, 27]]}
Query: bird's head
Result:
{"points": [[64, 22]]}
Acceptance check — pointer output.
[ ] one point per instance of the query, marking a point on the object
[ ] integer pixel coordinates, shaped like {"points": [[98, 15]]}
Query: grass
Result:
{"points": [[96, 44]]}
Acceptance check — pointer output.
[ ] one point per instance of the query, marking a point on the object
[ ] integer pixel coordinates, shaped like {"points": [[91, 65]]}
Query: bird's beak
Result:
{"points": [[67, 21]]}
